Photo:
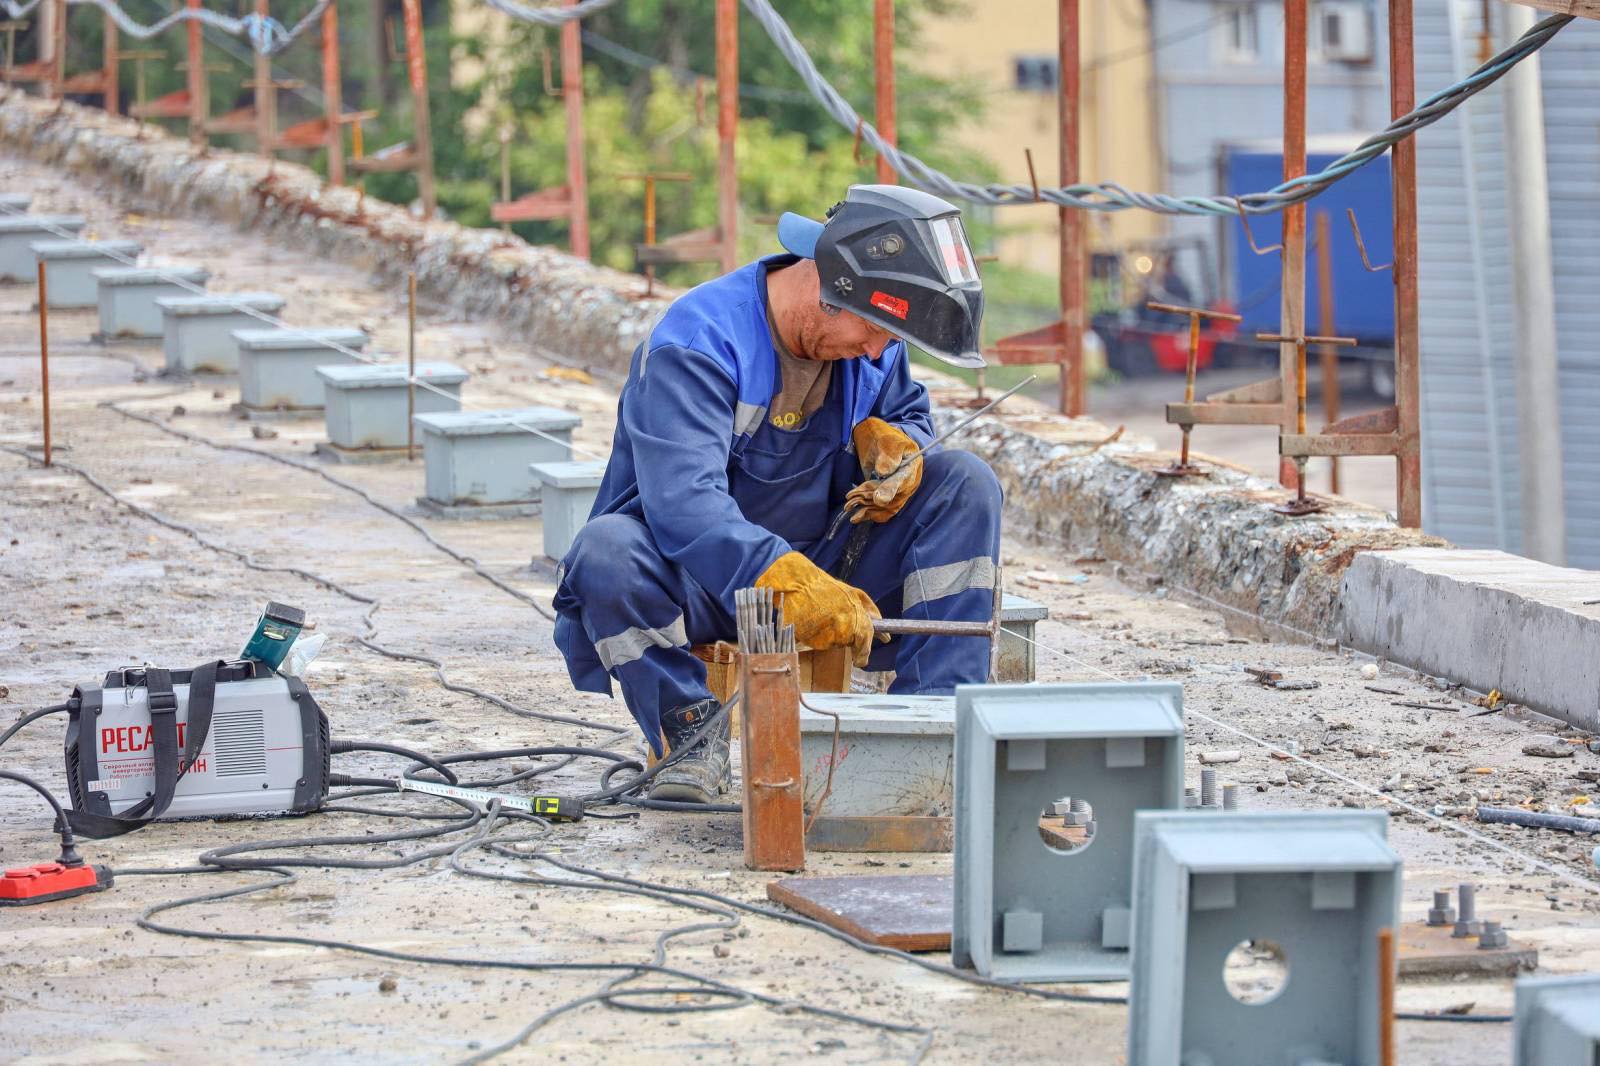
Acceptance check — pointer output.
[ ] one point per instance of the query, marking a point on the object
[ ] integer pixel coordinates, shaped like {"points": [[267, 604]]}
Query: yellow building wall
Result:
{"points": [[981, 43]]}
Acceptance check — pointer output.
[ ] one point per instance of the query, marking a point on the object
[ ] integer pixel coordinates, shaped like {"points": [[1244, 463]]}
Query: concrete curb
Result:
{"points": [[1485, 619], [564, 303]]}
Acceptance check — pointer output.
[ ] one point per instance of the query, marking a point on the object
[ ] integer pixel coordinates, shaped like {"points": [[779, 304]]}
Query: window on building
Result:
{"points": [[1238, 33], [1341, 31], [1037, 74]]}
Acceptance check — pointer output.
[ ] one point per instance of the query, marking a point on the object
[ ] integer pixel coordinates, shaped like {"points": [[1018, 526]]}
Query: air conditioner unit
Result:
{"points": [[1345, 31]]}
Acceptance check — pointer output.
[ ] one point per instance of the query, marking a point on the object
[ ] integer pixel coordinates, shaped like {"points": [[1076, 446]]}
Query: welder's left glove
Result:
{"points": [[882, 448]]}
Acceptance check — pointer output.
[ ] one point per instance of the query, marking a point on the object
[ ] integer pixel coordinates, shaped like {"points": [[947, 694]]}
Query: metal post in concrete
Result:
{"points": [[333, 93], [1293, 303], [411, 366], [1544, 533], [417, 70], [727, 38], [1074, 256], [1326, 355], [572, 97], [883, 61], [1407, 357], [44, 356]]}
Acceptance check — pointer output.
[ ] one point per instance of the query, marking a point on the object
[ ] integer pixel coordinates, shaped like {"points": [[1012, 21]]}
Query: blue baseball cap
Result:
{"points": [[799, 234]]}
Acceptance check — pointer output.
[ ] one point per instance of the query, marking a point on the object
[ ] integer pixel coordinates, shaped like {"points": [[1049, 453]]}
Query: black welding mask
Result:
{"points": [[899, 258]]}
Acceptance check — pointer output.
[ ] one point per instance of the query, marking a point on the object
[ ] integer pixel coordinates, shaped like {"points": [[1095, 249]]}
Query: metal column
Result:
{"points": [[572, 97], [266, 96], [199, 84], [727, 38], [417, 69], [1074, 258], [1407, 360], [1293, 316], [883, 61], [333, 93]]}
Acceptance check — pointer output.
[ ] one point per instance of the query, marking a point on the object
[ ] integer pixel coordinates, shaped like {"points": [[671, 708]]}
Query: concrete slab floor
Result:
{"points": [[90, 587]]}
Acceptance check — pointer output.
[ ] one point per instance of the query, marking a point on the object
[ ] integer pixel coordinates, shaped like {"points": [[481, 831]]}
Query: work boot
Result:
{"points": [[703, 773]]}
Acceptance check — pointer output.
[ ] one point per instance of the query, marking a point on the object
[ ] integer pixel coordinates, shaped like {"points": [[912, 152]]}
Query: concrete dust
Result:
{"points": [[90, 586]]}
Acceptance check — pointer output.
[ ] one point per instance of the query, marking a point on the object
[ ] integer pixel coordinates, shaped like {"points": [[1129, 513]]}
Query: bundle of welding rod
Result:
{"points": [[760, 621]]}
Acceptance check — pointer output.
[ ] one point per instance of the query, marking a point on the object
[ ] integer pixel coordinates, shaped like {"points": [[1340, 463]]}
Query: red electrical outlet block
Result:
{"points": [[51, 880]]}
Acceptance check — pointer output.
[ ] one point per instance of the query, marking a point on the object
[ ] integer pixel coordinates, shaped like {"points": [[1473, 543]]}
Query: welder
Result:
{"points": [[760, 404]]}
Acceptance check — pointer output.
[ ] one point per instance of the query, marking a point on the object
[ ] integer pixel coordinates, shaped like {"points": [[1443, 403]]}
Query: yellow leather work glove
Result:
{"points": [[881, 448], [825, 612]]}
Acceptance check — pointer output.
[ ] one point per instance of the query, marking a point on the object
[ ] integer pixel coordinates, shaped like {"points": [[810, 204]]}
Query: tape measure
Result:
{"points": [[555, 808]]}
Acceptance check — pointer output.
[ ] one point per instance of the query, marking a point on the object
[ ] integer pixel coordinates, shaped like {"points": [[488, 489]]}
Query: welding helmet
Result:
{"points": [[899, 258]]}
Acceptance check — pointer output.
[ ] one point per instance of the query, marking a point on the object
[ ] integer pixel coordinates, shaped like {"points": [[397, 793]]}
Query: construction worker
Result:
{"points": [[759, 405]]}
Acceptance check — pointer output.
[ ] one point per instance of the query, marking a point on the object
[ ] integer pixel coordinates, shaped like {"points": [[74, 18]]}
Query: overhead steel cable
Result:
{"points": [[267, 35], [549, 16], [1112, 196]]}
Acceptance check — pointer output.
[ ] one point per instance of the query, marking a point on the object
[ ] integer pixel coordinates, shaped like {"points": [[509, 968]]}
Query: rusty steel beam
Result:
{"points": [[773, 801], [727, 39], [417, 70], [333, 93], [1305, 445], [1224, 413], [1293, 304], [577, 166], [1326, 353], [265, 96], [1074, 256], [1407, 354], [199, 84], [109, 61], [883, 63]]}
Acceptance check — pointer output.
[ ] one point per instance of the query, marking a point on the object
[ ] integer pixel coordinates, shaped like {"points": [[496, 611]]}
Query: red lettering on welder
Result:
{"points": [[134, 738], [890, 304]]}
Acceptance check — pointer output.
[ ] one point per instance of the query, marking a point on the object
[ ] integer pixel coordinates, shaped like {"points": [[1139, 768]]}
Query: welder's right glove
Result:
{"points": [[825, 612]]}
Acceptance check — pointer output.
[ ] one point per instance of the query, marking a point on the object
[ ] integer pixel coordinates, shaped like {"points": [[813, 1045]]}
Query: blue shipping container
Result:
{"points": [[1363, 301]]}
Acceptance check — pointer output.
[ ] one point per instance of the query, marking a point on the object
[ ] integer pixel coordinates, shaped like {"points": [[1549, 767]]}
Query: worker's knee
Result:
{"points": [[970, 480], [607, 546]]}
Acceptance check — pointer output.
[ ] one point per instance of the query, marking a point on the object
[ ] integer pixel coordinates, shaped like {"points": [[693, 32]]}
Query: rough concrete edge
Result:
{"points": [[564, 303], [1476, 632], [1213, 538]]}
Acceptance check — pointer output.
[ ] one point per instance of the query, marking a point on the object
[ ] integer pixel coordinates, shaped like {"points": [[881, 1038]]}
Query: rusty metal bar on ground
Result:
{"points": [[1293, 304], [1074, 256], [1407, 359], [44, 355], [773, 801], [1326, 355], [1182, 468], [411, 366], [883, 63], [727, 42]]}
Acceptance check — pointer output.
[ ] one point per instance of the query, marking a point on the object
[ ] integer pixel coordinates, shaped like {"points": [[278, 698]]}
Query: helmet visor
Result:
{"points": [[955, 254]]}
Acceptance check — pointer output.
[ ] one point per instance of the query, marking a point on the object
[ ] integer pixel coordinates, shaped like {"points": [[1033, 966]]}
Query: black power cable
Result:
{"points": [[33, 716]]}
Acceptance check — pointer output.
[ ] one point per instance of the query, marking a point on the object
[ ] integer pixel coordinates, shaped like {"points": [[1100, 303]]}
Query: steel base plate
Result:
{"points": [[1297, 507], [1180, 470]]}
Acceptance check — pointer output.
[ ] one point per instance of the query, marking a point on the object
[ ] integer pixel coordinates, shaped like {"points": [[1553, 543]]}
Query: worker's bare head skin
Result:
{"points": [[812, 330]]}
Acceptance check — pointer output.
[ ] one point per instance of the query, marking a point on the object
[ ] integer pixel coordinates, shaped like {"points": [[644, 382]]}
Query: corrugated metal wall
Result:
{"points": [[1469, 417]]}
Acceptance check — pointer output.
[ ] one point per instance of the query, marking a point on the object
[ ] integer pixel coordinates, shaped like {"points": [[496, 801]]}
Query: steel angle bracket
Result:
{"points": [[1557, 1020], [1320, 885], [1025, 910]]}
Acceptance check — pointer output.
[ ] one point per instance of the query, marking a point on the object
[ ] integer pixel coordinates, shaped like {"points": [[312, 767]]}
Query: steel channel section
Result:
{"points": [[1557, 1020], [72, 265], [1026, 911], [368, 406], [197, 331], [1321, 885], [772, 811], [18, 234]]}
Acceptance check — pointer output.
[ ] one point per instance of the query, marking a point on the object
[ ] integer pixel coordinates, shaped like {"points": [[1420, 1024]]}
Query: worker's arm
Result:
{"points": [[903, 402], [679, 416]]}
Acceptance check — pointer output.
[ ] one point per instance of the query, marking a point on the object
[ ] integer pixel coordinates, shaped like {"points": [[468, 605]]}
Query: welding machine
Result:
{"points": [[226, 738]]}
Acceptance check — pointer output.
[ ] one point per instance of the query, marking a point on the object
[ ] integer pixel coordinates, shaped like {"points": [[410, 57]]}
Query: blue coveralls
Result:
{"points": [[702, 494]]}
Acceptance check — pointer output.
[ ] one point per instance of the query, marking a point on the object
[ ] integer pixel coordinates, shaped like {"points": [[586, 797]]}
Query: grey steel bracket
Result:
{"points": [[1318, 884], [1557, 1020], [1024, 910]]}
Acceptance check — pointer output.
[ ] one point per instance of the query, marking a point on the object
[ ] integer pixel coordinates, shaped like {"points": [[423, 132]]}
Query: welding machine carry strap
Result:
{"points": [[170, 763]]}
